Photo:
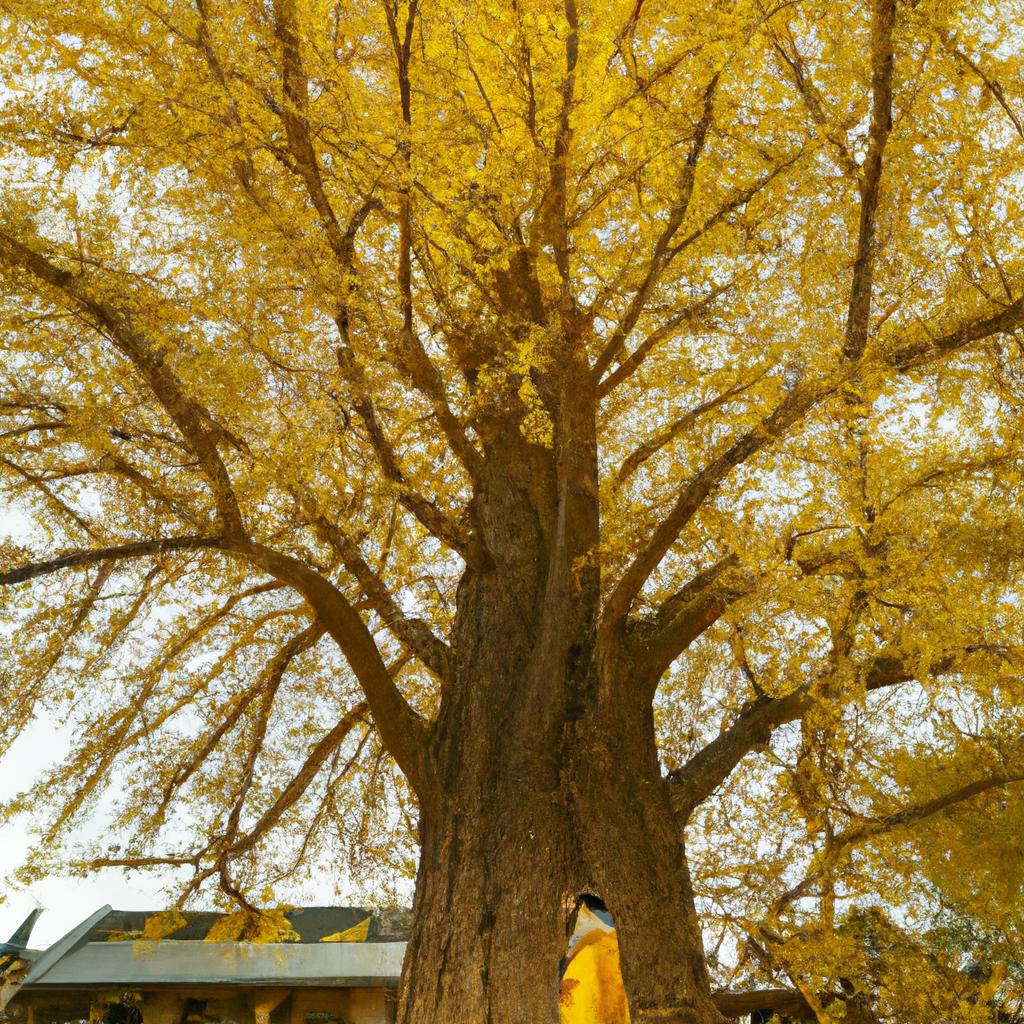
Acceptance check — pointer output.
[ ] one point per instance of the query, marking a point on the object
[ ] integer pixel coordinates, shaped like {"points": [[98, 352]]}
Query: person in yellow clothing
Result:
{"points": [[592, 990]]}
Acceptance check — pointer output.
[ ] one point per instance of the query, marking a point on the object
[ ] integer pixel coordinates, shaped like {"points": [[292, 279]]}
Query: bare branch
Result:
{"points": [[31, 428], [173, 860], [83, 557], [554, 212], [883, 17]]}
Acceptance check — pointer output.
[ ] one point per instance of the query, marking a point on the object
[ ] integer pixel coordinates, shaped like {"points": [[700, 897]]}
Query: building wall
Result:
{"points": [[207, 1005]]}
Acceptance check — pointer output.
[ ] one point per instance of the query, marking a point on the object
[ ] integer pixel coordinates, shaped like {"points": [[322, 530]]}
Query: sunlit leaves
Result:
{"points": [[146, 153]]}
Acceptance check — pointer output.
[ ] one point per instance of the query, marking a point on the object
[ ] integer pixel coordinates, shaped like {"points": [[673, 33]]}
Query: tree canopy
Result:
{"points": [[296, 293]]}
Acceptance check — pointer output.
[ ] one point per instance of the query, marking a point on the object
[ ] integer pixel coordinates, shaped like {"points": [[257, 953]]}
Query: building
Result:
{"points": [[323, 965], [340, 965]]}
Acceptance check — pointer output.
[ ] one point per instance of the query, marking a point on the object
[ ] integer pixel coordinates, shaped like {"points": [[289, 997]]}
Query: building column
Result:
{"points": [[265, 1001]]}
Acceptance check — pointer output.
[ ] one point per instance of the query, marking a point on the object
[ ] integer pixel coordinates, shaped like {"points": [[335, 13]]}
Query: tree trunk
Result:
{"points": [[501, 863], [548, 776], [518, 832], [631, 841], [488, 930]]}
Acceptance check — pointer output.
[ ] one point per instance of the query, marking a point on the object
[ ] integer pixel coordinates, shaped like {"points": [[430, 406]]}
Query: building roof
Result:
{"points": [[310, 924], [330, 946], [17, 944]]}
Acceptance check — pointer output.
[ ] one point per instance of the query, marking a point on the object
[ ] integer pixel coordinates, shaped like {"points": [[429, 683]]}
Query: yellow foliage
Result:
{"points": [[163, 925], [249, 926], [357, 933], [710, 314]]}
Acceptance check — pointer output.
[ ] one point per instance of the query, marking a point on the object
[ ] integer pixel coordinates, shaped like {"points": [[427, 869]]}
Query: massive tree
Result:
{"points": [[605, 413]]}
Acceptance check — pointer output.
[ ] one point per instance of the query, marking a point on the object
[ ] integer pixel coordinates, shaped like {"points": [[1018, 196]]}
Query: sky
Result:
{"points": [[66, 900], [69, 900]]}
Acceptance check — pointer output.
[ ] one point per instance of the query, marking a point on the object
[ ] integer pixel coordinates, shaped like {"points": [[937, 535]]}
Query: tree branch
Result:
{"points": [[295, 115], [920, 353], [189, 765], [415, 362], [883, 17], [815, 107], [696, 780], [466, 543], [270, 683], [990, 83], [556, 199], [197, 426], [413, 632], [791, 410], [425, 376], [783, 1001], [707, 481], [657, 640], [633, 361], [661, 256], [804, 397], [302, 778], [84, 557], [678, 426], [889, 822], [927, 808], [402, 730]]}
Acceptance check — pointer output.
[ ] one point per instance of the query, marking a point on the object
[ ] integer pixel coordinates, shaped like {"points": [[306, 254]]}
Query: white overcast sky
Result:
{"points": [[66, 900]]}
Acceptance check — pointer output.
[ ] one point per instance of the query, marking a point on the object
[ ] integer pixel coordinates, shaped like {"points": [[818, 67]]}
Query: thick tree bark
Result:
{"points": [[631, 840], [488, 931], [513, 840], [548, 776]]}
